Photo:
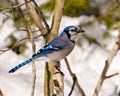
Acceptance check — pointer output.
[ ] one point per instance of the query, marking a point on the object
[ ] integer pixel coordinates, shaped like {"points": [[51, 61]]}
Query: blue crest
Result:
{"points": [[68, 27]]}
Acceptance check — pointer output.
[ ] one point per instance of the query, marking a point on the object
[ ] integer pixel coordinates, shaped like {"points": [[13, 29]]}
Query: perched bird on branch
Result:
{"points": [[57, 49]]}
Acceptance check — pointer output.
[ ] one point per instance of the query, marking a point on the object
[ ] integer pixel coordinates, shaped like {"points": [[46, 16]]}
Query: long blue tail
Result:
{"points": [[20, 65]]}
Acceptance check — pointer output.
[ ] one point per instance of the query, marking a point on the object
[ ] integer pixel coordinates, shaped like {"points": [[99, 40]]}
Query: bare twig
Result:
{"points": [[37, 19], [107, 65], [74, 80], [33, 48], [111, 75], [15, 6], [72, 88], [16, 44], [41, 15]]}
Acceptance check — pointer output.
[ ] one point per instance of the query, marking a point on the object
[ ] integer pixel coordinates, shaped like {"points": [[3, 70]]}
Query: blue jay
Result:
{"points": [[57, 49]]}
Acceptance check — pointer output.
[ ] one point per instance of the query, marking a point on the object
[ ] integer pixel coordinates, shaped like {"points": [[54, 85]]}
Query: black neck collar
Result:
{"points": [[68, 35]]}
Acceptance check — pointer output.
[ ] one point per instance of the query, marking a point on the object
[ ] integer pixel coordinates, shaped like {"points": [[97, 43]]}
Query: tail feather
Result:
{"points": [[20, 65]]}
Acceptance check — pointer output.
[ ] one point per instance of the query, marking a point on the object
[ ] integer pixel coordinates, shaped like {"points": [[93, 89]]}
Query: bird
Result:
{"points": [[57, 49]]}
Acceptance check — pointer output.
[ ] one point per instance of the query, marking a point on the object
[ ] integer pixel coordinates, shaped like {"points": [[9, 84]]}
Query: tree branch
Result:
{"points": [[41, 15], [33, 48], [16, 44], [53, 33], [37, 19], [16, 6], [58, 11], [72, 88], [107, 65], [74, 80], [111, 75]]}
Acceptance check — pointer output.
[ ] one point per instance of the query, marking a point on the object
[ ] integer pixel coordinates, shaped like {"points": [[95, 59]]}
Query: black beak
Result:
{"points": [[80, 30]]}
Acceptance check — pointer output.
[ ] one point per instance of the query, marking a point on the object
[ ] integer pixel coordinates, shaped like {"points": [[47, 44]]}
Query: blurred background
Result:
{"points": [[101, 21]]}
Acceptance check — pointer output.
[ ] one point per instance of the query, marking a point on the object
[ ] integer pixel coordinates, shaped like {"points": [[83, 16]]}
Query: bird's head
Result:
{"points": [[72, 32]]}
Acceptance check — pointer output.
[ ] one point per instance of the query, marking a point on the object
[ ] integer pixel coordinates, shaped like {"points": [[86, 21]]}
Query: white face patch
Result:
{"points": [[73, 34]]}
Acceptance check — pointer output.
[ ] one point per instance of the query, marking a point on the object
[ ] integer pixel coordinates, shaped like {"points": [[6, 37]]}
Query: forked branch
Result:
{"points": [[113, 53]]}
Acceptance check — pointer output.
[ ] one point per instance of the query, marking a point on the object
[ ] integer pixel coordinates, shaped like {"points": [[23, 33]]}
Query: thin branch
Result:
{"points": [[41, 15], [33, 48], [111, 75], [74, 79], [72, 88], [57, 16], [37, 19], [113, 53], [15, 6], [16, 44]]}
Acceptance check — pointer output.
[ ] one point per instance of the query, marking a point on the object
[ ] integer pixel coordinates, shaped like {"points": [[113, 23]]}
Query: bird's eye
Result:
{"points": [[72, 30]]}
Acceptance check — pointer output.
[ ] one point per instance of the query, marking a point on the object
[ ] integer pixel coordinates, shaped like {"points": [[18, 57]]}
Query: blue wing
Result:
{"points": [[47, 49], [57, 44]]}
